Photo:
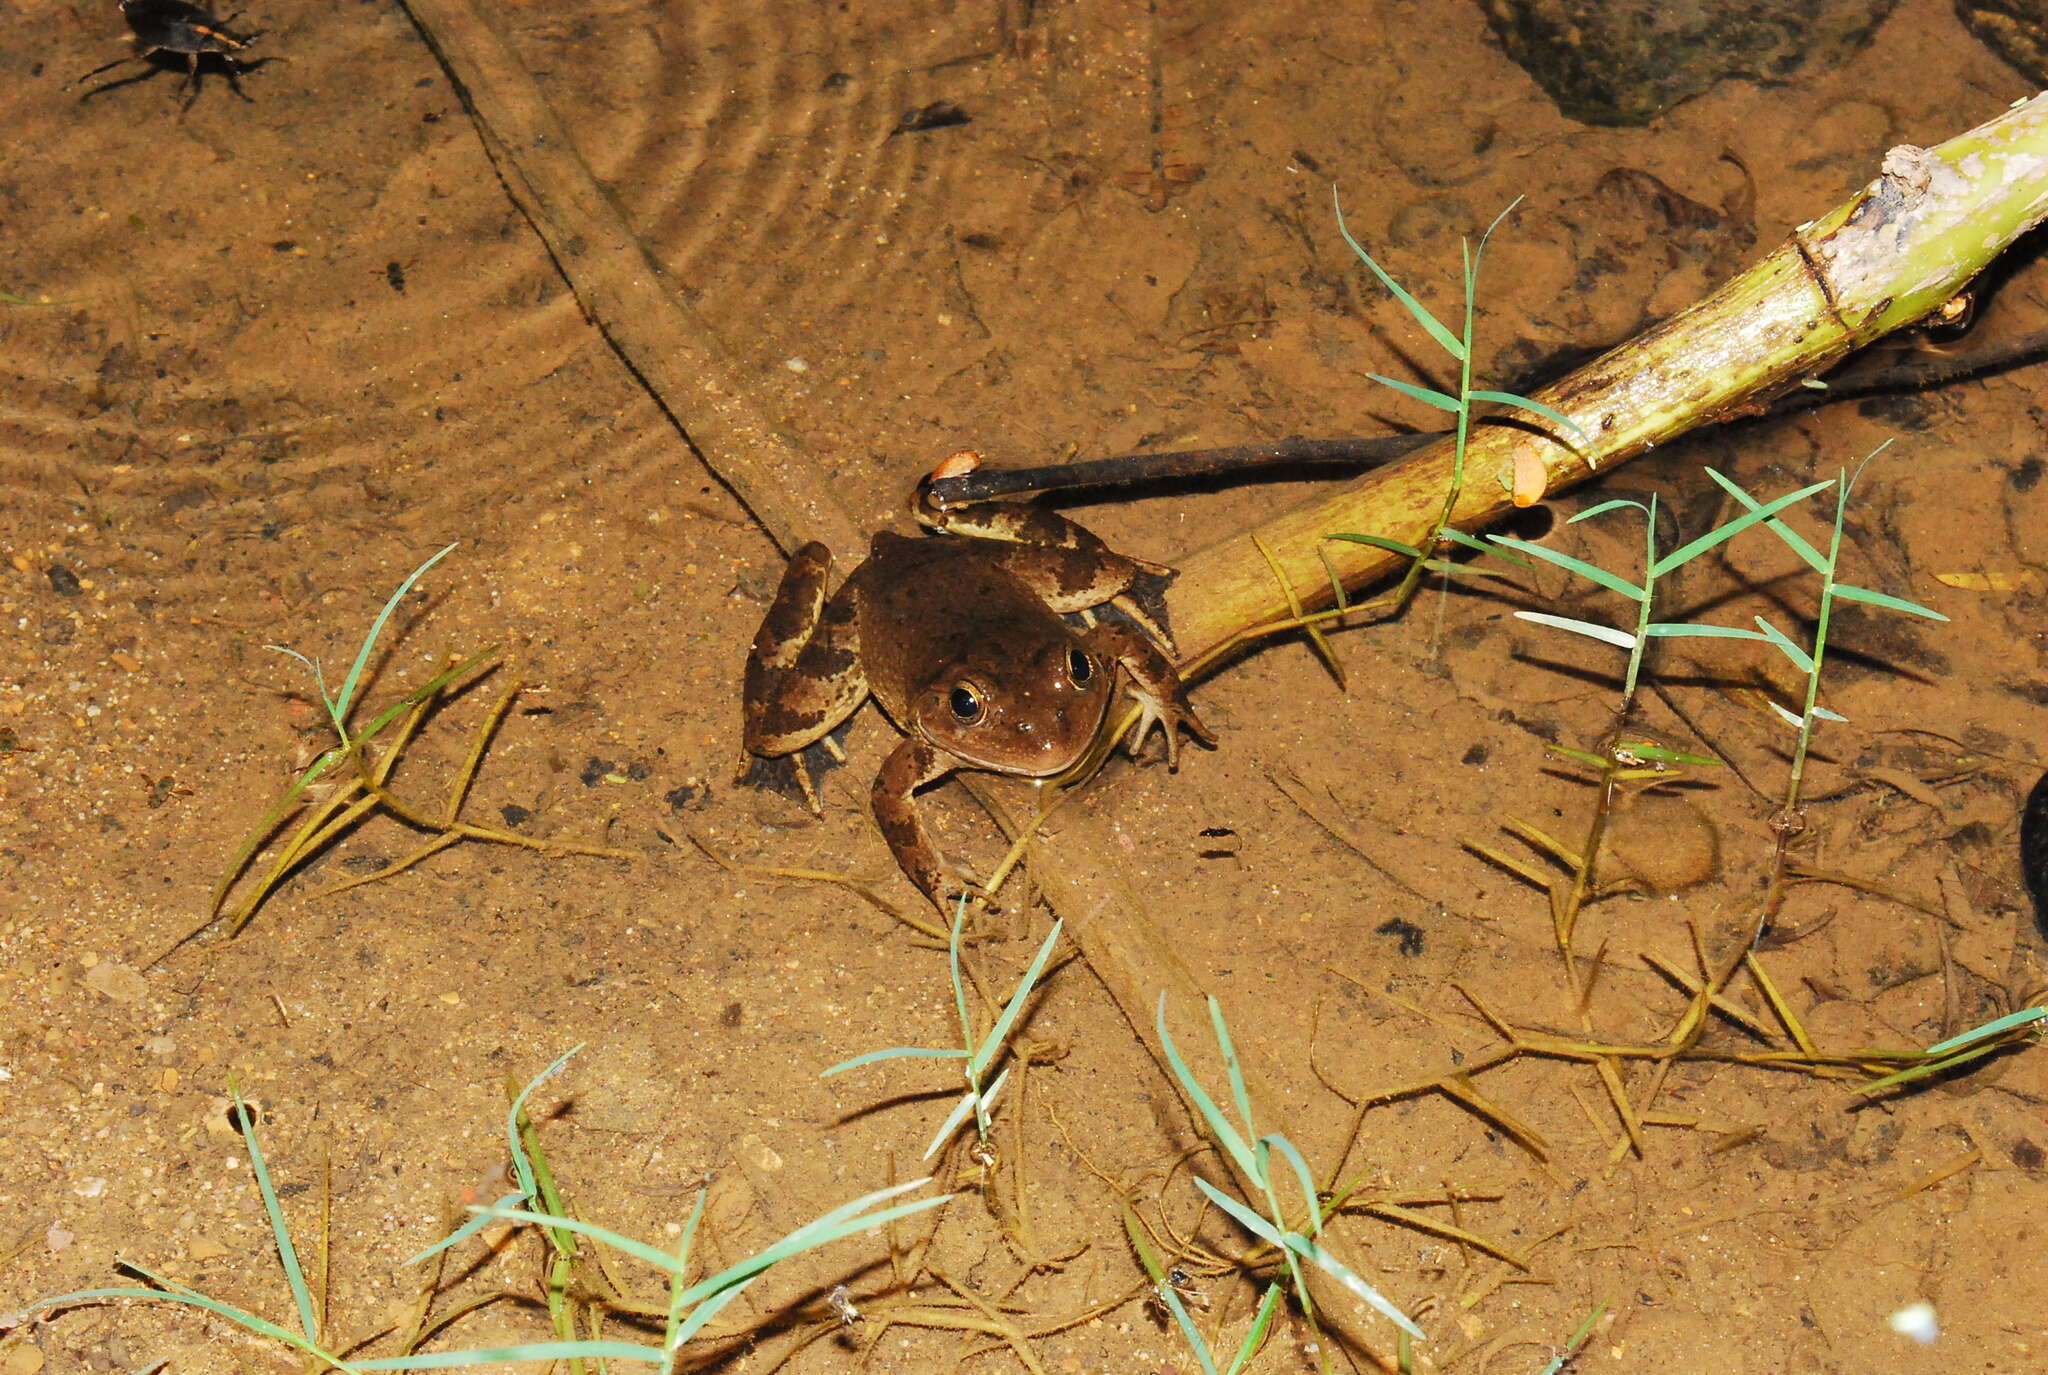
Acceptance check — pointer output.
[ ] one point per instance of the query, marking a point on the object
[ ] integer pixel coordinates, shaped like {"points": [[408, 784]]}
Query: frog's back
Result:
{"points": [[928, 605]]}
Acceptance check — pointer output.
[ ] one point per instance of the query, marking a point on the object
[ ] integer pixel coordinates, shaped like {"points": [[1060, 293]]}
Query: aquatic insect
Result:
{"points": [[182, 30]]}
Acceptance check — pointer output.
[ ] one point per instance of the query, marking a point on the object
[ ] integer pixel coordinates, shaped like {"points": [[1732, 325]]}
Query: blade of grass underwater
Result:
{"points": [[1429, 396], [993, 1042], [287, 1254], [1477, 545], [1148, 1260], [895, 1053], [1672, 630], [1850, 592], [675, 1287], [1604, 507], [1392, 546], [961, 1110], [1219, 1125], [1233, 1070], [476, 1224], [1526, 403], [1255, 1337], [338, 708], [840, 1222], [1801, 660], [1606, 633], [1991, 1028], [639, 1250], [537, 1351], [522, 1168], [1310, 1199], [1685, 553], [1793, 540], [1577, 1340], [177, 1293], [1592, 572], [1447, 341], [1338, 1271]]}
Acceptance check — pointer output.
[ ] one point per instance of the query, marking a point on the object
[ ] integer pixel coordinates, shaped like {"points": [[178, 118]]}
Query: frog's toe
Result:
{"points": [[796, 775], [1169, 715]]}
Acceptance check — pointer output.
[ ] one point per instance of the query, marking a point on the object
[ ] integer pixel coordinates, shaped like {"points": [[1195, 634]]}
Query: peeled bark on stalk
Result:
{"points": [[1898, 249]]}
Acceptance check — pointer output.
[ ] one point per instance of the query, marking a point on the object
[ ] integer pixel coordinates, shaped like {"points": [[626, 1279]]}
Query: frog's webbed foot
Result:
{"points": [[1161, 696], [796, 775], [803, 679]]}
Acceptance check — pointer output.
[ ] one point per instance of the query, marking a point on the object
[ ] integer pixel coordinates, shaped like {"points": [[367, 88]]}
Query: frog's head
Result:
{"points": [[1033, 715]]}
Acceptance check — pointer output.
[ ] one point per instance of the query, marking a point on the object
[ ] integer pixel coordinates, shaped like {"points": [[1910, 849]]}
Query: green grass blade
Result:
{"points": [[1219, 1125], [1727, 531], [1473, 542], [1447, 341], [522, 1168], [1232, 1069], [1604, 507], [993, 1042], [1989, 1029], [1592, 572], [1607, 634], [287, 1254], [338, 708], [840, 1222], [959, 980], [177, 1293], [618, 1241], [1339, 1272], [675, 1284], [1674, 630], [1801, 660], [1149, 1259], [1850, 592], [476, 1224], [1429, 396], [1526, 403], [1262, 1228], [971, 1103], [536, 1351], [1392, 546], [897, 1053], [1310, 1199], [1255, 1337], [1792, 538], [1577, 1340]]}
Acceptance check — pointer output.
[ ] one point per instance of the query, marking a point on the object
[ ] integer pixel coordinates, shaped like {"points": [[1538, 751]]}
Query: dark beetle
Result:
{"points": [[177, 29]]}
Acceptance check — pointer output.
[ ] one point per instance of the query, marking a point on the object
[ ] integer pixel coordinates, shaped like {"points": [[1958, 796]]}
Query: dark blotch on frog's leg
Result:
{"points": [[2034, 850]]}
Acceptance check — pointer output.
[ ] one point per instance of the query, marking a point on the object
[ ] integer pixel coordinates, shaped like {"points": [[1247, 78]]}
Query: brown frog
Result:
{"points": [[959, 638]]}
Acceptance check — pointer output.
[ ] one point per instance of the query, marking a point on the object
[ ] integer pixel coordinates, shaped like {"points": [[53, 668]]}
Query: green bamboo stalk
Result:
{"points": [[1902, 246]]}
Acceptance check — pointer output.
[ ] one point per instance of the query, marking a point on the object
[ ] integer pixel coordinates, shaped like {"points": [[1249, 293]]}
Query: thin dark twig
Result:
{"points": [[992, 482]]}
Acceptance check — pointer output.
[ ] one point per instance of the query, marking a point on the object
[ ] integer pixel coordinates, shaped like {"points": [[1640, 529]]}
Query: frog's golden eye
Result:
{"points": [[967, 705], [1080, 668]]}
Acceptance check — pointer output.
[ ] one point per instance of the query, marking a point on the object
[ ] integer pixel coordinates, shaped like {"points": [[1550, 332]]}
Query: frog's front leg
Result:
{"points": [[910, 766], [1156, 685], [803, 673], [1017, 522]]}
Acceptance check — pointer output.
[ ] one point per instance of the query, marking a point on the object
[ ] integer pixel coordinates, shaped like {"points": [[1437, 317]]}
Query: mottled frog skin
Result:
{"points": [[959, 638]]}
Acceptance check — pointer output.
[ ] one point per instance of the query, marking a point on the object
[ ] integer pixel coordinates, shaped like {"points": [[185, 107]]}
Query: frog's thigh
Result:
{"points": [[910, 766], [1068, 579], [804, 675]]}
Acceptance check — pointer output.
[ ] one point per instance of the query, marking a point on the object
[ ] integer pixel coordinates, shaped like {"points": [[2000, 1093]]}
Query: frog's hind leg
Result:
{"points": [[803, 672]]}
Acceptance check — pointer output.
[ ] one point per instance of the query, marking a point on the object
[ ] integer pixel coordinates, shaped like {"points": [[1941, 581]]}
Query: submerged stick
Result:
{"points": [[1898, 249]]}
